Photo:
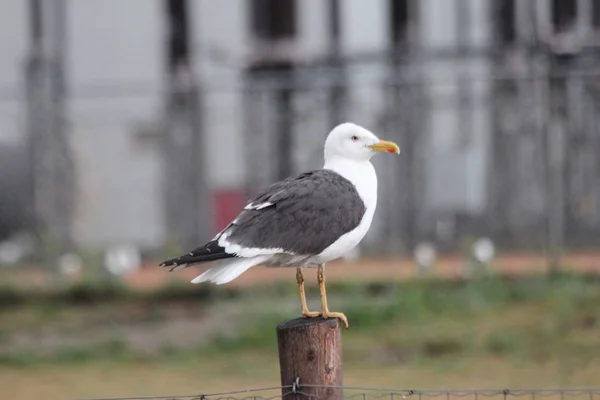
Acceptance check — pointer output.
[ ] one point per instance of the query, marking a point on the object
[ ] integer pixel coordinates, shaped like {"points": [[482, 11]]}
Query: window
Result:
{"points": [[505, 20], [596, 14], [399, 18], [564, 13], [178, 46], [273, 19]]}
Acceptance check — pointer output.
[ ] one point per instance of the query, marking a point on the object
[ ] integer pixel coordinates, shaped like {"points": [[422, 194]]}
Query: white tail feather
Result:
{"points": [[228, 270]]}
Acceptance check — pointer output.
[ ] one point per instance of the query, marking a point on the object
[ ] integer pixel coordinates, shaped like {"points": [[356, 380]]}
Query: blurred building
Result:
{"points": [[463, 85]]}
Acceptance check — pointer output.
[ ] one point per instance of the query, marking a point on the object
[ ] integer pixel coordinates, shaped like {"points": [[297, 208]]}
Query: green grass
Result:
{"points": [[490, 331], [434, 307], [532, 317]]}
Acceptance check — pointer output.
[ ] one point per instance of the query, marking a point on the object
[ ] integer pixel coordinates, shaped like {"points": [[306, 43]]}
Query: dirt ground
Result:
{"points": [[150, 276], [372, 269]]}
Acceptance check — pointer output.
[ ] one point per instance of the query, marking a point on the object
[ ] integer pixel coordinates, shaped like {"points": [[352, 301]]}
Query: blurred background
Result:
{"points": [[131, 131]]}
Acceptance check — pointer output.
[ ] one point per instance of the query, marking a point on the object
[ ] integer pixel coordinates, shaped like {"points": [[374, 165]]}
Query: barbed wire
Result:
{"points": [[375, 393], [200, 396]]}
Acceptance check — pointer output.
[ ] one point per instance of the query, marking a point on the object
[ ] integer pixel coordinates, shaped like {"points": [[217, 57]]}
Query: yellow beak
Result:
{"points": [[384, 145]]}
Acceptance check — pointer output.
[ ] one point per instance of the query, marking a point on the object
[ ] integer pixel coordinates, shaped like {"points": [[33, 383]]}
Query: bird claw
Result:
{"points": [[339, 315], [310, 314], [327, 314]]}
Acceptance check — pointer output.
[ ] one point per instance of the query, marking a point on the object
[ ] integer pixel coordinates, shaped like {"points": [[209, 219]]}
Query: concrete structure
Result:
{"points": [[115, 67]]}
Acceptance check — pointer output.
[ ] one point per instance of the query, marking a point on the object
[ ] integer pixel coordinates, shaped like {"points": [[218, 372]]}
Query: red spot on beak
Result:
{"points": [[391, 151]]}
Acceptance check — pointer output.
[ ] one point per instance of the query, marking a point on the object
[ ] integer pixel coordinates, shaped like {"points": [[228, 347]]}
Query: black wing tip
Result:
{"points": [[177, 261], [172, 261], [169, 263], [209, 252], [173, 264]]}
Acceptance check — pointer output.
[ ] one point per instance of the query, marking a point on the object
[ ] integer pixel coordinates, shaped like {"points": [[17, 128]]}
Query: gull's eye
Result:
{"points": [[354, 138]]}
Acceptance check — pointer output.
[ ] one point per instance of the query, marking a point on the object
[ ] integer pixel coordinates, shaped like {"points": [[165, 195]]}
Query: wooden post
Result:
{"points": [[310, 353]]}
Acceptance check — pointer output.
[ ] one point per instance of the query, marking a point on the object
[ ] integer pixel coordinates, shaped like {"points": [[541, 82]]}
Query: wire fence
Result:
{"points": [[363, 393], [488, 151]]}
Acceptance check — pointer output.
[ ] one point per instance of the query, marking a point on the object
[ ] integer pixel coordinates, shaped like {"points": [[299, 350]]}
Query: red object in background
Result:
{"points": [[228, 204]]}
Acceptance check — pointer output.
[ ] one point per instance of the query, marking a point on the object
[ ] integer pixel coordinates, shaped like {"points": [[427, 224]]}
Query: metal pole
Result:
{"points": [[401, 118], [465, 122], [186, 194], [33, 86], [64, 177], [338, 92], [49, 154], [556, 167], [283, 97]]}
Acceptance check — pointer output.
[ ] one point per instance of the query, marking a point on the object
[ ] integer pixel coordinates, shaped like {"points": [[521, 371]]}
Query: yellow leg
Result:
{"points": [[325, 313], [305, 312]]}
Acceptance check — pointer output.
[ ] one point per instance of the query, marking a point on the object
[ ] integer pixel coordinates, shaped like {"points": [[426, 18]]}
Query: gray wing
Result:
{"points": [[301, 215]]}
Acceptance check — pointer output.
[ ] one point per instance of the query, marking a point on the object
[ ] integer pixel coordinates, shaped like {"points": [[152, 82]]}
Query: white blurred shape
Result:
{"points": [[11, 252], [425, 254], [16, 248], [483, 250], [122, 260]]}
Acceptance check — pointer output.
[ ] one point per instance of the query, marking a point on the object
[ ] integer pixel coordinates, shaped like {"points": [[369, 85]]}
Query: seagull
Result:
{"points": [[303, 221]]}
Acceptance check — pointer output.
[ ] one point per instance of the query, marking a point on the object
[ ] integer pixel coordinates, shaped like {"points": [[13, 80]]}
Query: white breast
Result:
{"points": [[362, 175]]}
